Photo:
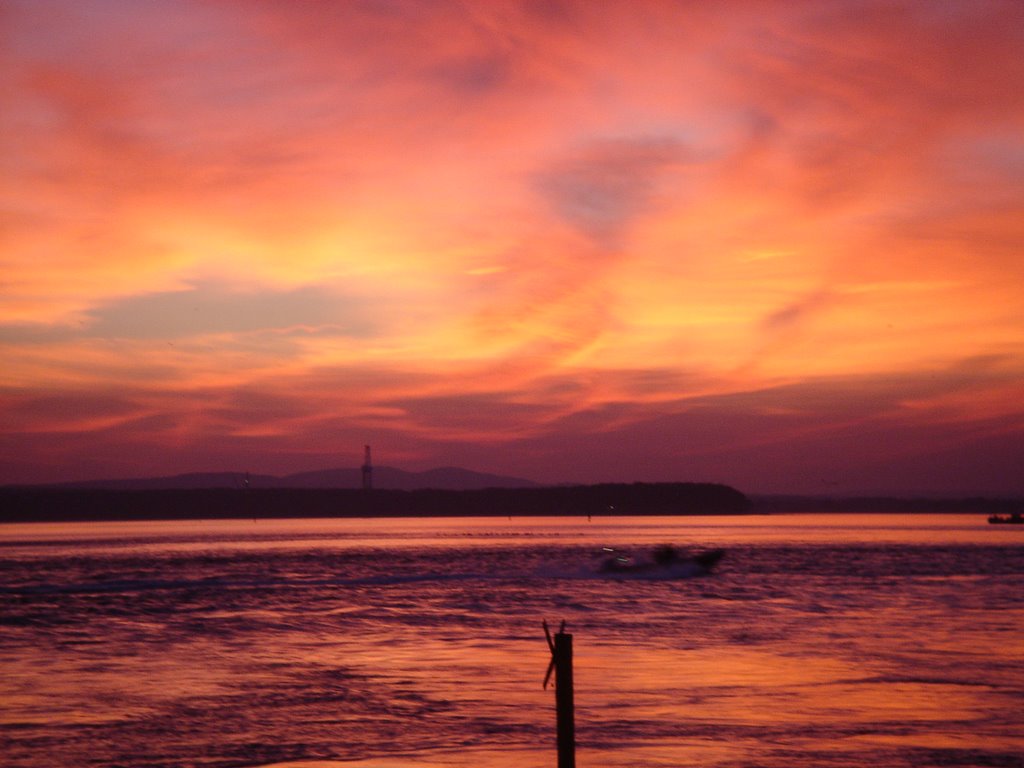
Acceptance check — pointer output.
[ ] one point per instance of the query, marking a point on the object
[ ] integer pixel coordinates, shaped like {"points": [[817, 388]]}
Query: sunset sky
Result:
{"points": [[774, 244]]}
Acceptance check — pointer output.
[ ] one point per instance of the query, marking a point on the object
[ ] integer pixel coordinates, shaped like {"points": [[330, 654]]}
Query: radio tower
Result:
{"points": [[367, 470]]}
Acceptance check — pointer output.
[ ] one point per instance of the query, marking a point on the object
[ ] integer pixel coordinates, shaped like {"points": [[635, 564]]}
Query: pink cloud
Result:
{"points": [[266, 229]]}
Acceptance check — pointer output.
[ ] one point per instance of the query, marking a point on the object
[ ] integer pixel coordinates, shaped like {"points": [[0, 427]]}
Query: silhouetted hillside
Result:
{"points": [[389, 478], [384, 478], [917, 504], [65, 504]]}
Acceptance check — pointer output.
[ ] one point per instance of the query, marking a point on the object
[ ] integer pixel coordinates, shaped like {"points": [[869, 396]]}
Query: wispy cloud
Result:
{"points": [[212, 308], [603, 188], [272, 226]]}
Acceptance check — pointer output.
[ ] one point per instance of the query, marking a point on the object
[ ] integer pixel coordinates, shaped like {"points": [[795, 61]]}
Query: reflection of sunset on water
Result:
{"points": [[366, 642]]}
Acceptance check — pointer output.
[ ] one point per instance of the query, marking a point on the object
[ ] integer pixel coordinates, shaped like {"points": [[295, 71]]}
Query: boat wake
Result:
{"points": [[665, 563]]}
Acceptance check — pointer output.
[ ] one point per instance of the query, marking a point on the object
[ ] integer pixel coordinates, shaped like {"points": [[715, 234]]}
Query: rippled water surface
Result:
{"points": [[819, 640]]}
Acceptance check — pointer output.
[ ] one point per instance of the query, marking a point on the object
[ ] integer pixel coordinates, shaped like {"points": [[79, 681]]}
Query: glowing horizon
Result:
{"points": [[774, 245]]}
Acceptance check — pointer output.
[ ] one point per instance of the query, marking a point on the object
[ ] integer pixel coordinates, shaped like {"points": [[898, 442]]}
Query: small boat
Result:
{"points": [[666, 563], [1013, 519]]}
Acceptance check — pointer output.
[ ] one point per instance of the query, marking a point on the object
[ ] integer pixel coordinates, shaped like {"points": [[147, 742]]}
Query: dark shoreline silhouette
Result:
{"points": [[882, 504], [67, 504], [384, 477]]}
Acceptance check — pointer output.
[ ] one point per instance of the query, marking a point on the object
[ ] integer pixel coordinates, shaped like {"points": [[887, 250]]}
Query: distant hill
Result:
{"points": [[384, 478], [37, 504], [772, 504], [390, 478]]}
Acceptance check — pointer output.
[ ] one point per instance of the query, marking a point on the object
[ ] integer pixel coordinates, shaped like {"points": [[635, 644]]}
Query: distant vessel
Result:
{"points": [[666, 563], [1013, 519]]}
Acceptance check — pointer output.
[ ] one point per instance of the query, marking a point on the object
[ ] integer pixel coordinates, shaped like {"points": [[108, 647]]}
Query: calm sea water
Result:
{"points": [[820, 640]]}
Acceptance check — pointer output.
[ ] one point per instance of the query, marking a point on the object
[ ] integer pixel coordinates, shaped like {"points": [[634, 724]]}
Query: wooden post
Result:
{"points": [[564, 703], [565, 706]]}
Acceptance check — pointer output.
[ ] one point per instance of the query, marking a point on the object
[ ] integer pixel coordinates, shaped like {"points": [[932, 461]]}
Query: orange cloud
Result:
{"points": [[263, 230]]}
